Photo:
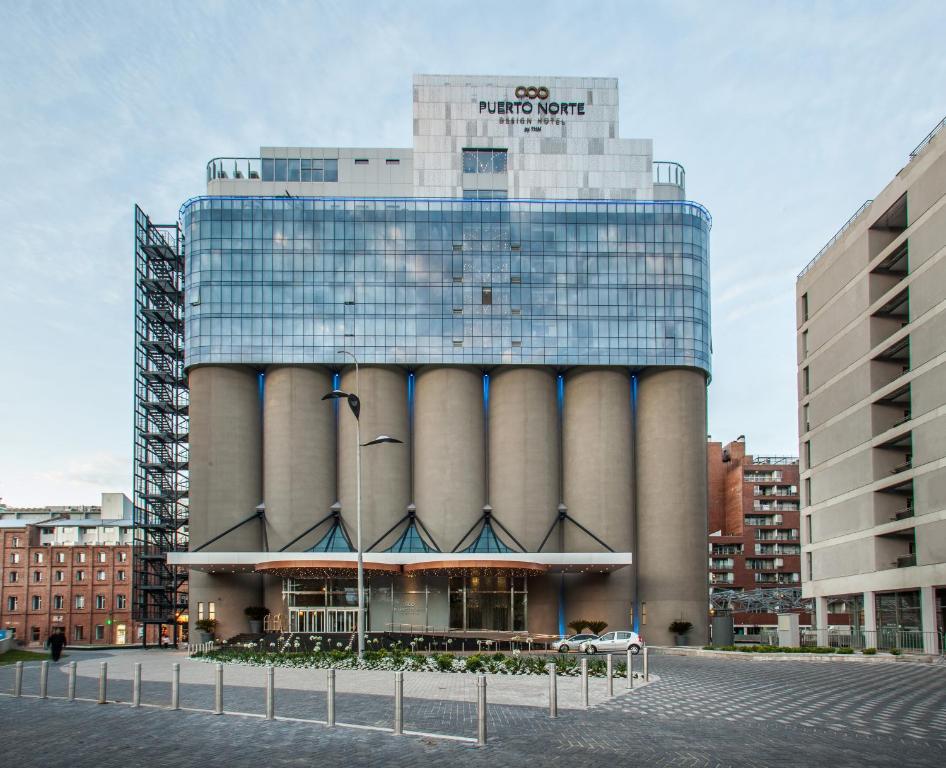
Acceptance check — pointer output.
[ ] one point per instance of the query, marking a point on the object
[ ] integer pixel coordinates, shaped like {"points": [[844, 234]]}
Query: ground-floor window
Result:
{"points": [[899, 610]]}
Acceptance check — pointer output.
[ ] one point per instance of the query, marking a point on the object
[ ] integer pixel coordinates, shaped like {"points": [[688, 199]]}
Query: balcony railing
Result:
{"points": [[774, 460], [906, 561], [791, 535]]}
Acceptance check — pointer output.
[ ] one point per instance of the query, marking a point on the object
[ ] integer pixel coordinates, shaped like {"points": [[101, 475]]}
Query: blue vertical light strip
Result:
{"points": [[560, 397], [410, 430], [635, 600], [486, 433]]}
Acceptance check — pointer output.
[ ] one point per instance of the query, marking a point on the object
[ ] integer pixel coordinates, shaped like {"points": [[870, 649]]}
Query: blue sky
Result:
{"points": [[787, 117]]}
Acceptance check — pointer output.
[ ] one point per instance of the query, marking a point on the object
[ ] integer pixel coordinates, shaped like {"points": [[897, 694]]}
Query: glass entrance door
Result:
{"points": [[319, 620]]}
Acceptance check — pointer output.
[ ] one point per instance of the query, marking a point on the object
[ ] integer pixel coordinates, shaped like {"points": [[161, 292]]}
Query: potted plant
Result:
{"points": [[206, 629], [679, 628], [256, 614]]}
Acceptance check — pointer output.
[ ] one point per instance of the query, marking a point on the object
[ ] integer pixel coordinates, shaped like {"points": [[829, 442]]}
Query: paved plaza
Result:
{"points": [[700, 712]]}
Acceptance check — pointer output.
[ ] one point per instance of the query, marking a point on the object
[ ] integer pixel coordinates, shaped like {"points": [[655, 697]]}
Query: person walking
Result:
{"points": [[56, 642]]}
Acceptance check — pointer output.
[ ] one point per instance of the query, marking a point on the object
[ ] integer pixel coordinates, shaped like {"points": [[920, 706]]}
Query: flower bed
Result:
{"points": [[289, 652]]}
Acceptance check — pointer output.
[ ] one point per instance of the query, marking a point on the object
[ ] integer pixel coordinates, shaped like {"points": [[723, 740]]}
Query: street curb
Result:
{"points": [[857, 658]]}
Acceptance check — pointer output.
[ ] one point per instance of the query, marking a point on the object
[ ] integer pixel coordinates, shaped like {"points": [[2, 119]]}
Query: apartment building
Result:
{"points": [[753, 516], [68, 567], [871, 320]]}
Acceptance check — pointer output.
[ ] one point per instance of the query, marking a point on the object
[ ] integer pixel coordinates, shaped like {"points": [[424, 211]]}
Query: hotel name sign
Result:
{"points": [[532, 109]]}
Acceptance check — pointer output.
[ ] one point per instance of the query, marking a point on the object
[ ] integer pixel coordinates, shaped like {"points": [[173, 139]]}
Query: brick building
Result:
{"points": [[68, 567], [753, 516]]}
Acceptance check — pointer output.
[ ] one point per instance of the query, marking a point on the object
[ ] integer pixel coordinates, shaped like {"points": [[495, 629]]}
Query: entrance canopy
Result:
{"points": [[321, 564]]}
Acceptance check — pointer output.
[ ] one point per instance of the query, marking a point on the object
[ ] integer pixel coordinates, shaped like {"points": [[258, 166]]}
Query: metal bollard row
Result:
{"points": [[584, 682], [630, 671], [646, 667], [610, 674], [175, 702]]}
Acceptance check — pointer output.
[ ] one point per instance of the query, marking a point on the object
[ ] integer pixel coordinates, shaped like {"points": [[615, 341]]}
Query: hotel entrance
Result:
{"points": [[488, 602], [322, 605]]}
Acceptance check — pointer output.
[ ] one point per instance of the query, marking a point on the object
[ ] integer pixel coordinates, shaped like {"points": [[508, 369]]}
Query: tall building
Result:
{"points": [[70, 568], [872, 408], [754, 539], [527, 296]]}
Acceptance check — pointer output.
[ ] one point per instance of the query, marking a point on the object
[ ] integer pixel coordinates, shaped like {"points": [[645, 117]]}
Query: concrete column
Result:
{"points": [[298, 453], [671, 502], [225, 485], [523, 452], [870, 620], [449, 453], [821, 620], [928, 620], [385, 469]]}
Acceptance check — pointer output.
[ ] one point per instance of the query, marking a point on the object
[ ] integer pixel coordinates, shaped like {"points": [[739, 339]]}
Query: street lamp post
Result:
{"points": [[355, 404]]}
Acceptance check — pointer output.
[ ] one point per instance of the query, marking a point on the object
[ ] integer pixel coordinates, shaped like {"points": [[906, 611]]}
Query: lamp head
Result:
{"points": [[382, 439]]}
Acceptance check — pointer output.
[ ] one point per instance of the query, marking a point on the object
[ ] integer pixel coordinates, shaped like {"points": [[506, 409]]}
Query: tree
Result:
{"points": [[596, 626], [577, 625]]}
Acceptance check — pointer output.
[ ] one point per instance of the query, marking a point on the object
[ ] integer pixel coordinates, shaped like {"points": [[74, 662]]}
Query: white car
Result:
{"points": [[574, 642], [609, 642]]}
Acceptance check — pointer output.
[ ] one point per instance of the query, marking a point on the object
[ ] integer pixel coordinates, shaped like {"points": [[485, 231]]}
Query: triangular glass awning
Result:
{"points": [[410, 541], [487, 541], [334, 540]]}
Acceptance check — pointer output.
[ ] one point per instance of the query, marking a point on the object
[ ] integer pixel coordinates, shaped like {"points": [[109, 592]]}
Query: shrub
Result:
{"points": [[256, 612], [845, 650], [597, 627], [577, 625], [895, 651], [500, 657], [207, 625], [444, 662], [869, 651], [474, 663]]}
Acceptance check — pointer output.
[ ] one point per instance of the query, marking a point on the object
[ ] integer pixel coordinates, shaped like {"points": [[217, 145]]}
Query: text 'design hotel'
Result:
{"points": [[527, 297]]}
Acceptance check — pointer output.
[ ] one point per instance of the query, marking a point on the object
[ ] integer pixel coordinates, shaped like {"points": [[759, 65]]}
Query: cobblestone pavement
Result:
{"points": [[702, 712]]}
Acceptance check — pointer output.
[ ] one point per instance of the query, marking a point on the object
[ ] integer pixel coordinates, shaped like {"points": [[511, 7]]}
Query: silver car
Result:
{"points": [[574, 642], [622, 640]]}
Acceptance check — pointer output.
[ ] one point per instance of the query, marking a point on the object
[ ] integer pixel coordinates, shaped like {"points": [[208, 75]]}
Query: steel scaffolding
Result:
{"points": [[161, 419]]}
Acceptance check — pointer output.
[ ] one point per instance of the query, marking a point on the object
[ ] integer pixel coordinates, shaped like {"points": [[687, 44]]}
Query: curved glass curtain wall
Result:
{"points": [[292, 280]]}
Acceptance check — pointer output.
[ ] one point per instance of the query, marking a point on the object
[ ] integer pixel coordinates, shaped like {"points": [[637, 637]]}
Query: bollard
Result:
{"points": [[481, 710], [270, 692], [218, 689], [43, 679], [398, 703], [18, 680], [103, 681], [175, 686], [610, 673], [584, 682], [553, 692], [646, 667], [630, 670], [72, 681], [136, 686], [330, 697]]}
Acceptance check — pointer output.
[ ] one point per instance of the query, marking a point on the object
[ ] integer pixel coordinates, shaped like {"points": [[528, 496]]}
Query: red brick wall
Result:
{"points": [[25, 619]]}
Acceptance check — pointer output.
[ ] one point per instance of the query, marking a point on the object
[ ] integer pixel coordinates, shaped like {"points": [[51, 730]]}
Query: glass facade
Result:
{"points": [[292, 280]]}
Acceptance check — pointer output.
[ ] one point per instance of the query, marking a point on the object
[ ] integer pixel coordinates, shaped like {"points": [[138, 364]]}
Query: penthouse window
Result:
{"points": [[484, 160], [309, 169]]}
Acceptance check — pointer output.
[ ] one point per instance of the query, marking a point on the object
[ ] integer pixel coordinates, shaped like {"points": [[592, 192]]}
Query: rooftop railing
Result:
{"points": [[929, 137], [667, 172], [837, 236], [774, 460]]}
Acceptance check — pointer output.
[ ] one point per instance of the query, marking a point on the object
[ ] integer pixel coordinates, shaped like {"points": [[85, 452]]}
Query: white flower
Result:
{"points": [[272, 645]]}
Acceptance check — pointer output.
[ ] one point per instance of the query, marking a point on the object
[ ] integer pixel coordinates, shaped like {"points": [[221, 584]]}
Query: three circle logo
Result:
{"points": [[532, 92]]}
